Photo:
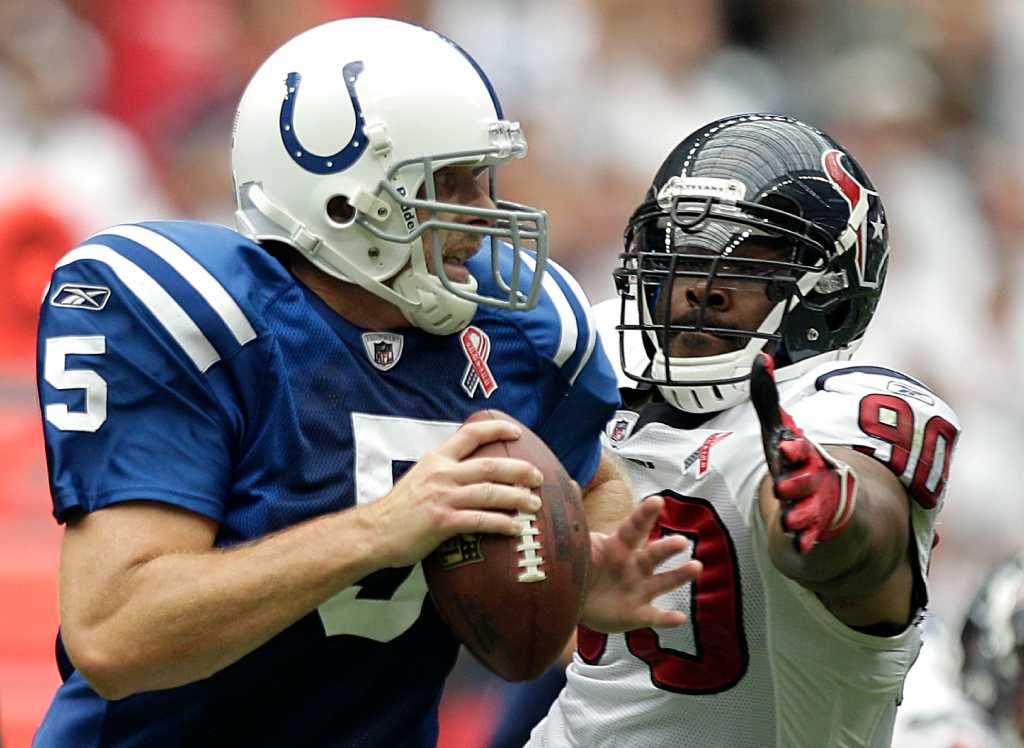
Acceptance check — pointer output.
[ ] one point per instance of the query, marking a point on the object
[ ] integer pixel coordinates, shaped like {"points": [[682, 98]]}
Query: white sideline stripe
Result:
{"points": [[199, 277], [157, 300], [584, 302], [568, 332]]}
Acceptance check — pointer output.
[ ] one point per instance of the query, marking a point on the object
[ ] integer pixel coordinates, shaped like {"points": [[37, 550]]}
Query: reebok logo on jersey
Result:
{"points": [[902, 388], [383, 348], [477, 347], [701, 457], [78, 296]]}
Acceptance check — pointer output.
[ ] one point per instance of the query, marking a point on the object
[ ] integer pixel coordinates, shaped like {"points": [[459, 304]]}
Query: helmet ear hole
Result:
{"points": [[838, 316], [340, 211], [783, 203]]}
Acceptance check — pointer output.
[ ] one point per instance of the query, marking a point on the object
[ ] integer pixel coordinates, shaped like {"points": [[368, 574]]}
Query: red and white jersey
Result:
{"points": [[761, 663]]}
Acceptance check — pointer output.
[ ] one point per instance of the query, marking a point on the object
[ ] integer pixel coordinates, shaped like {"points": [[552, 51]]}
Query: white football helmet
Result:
{"points": [[336, 134]]}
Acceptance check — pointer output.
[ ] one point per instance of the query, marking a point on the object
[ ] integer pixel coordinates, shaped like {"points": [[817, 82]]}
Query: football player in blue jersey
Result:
{"points": [[253, 438]]}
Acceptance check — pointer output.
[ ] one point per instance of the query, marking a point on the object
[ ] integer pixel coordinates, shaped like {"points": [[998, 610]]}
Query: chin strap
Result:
{"points": [[439, 312], [297, 234]]}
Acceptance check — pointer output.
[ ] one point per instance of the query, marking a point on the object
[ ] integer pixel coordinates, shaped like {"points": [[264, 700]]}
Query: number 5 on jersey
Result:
{"points": [[56, 374]]}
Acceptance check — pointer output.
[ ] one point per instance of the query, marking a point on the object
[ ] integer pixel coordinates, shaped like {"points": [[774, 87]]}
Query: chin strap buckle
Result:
{"points": [[370, 206], [298, 234]]}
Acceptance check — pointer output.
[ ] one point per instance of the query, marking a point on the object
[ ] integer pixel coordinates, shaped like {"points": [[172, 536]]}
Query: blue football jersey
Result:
{"points": [[182, 363]]}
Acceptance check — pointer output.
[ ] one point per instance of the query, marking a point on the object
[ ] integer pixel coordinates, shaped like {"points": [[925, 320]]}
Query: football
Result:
{"points": [[514, 601]]}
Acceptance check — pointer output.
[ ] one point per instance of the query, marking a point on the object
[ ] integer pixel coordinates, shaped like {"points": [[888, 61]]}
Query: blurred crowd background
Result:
{"points": [[120, 110]]}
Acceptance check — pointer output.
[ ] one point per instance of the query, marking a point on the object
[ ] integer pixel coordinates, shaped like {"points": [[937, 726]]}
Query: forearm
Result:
{"points": [[148, 603], [864, 554], [608, 498], [182, 616]]}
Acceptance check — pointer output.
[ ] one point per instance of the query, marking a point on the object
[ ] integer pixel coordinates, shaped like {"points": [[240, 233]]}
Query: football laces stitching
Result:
{"points": [[531, 560]]}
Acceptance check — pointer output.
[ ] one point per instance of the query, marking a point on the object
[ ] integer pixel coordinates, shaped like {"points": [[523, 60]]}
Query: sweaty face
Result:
{"points": [[715, 311], [463, 186]]}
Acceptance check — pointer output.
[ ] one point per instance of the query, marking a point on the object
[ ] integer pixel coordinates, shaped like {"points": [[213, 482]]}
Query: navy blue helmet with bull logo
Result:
{"points": [[752, 203]]}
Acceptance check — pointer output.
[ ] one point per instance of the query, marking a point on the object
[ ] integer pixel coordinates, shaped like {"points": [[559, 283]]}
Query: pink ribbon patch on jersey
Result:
{"points": [[477, 347]]}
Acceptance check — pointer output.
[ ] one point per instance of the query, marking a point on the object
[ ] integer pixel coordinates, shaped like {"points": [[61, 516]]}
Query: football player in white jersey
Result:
{"points": [[813, 513]]}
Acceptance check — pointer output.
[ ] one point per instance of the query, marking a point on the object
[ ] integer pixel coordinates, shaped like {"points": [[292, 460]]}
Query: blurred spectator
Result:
{"points": [[604, 88], [1005, 106], [66, 170], [32, 238], [935, 713], [191, 153], [173, 55]]}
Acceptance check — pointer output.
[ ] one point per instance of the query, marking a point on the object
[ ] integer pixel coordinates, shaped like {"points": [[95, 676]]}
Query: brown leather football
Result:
{"points": [[514, 601]]}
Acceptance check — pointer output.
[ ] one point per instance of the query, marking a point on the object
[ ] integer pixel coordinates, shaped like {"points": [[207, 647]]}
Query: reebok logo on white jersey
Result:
{"points": [[78, 296], [700, 458], [902, 388]]}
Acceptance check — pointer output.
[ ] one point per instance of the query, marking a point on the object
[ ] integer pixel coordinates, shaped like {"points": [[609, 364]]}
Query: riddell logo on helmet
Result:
{"points": [[726, 189], [407, 213]]}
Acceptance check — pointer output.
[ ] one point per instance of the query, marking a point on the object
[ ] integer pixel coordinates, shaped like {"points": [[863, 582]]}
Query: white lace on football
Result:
{"points": [[531, 560]]}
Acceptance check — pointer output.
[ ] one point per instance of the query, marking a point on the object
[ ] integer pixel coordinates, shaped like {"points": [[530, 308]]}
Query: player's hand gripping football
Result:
{"points": [[445, 494], [817, 491], [623, 581]]}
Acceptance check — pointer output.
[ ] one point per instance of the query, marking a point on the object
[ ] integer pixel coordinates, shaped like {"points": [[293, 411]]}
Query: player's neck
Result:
{"points": [[354, 303]]}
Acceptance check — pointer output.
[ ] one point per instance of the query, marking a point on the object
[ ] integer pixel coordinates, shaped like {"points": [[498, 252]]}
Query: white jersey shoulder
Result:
{"points": [[761, 663], [890, 416]]}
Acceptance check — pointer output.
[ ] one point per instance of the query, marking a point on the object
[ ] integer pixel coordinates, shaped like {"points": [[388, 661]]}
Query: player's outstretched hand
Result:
{"points": [[817, 491], [623, 581], [445, 494]]}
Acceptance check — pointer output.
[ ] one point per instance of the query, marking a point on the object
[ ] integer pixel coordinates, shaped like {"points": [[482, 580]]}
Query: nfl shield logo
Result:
{"points": [[383, 348], [619, 430], [383, 353], [621, 426]]}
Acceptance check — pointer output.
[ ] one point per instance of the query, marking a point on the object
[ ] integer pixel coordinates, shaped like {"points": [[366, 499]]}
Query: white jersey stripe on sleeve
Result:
{"points": [[167, 311], [584, 304], [199, 277], [569, 333]]}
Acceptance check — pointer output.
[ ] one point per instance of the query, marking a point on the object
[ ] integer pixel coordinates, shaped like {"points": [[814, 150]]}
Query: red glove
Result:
{"points": [[817, 491]]}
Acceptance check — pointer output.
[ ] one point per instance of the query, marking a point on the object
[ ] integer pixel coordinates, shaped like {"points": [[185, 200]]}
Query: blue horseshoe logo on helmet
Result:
{"points": [[314, 162]]}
